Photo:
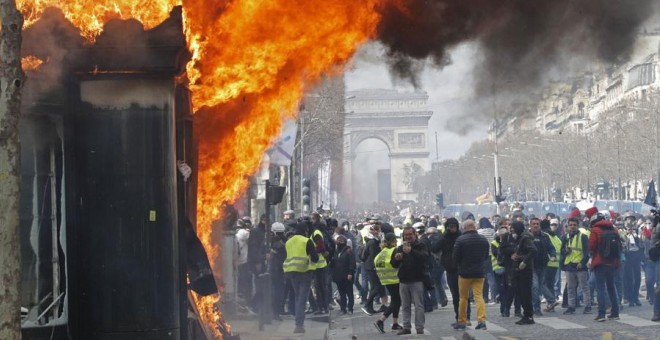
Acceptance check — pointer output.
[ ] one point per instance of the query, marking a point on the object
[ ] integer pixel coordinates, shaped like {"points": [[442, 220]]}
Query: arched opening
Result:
{"points": [[371, 172]]}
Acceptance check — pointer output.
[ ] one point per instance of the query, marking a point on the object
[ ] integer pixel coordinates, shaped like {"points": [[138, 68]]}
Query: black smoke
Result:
{"points": [[520, 39]]}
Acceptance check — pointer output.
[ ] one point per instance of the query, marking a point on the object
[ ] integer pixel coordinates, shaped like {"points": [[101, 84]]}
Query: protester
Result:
{"points": [[388, 276], [470, 253], [410, 258], [605, 248], [343, 268], [523, 264], [574, 257]]}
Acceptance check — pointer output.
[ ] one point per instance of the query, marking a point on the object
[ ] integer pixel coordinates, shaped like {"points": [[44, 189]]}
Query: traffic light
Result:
{"points": [[440, 200], [305, 192]]}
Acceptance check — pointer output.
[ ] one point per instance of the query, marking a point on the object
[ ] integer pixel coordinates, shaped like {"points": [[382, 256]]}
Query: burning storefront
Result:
{"points": [[107, 216]]}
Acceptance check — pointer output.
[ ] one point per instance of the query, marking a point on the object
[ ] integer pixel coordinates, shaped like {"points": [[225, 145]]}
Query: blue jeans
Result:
{"points": [[649, 274], [656, 301], [538, 288], [439, 288], [605, 276], [301, 282]]}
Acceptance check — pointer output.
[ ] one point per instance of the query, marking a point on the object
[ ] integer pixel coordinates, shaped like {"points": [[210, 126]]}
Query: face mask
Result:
{"points": [[515, 236]]}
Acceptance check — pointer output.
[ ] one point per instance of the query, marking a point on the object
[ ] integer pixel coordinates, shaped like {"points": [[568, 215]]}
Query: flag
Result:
{"points": [[651, 195], [281, 151]]}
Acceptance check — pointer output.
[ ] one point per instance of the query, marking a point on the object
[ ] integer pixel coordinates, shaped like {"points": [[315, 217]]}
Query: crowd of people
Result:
{"points": [[323, 261]]}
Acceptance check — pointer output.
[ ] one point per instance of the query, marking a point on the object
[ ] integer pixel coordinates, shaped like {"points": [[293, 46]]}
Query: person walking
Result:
{"points": [[300, 253], [387, 275], [371, 249], [410, 258], [605, 247], [574, 256], [343, 268], [545, 252], [470, 253], [523, 264]]}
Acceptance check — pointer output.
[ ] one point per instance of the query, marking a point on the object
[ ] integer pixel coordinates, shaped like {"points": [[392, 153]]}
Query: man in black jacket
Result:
{"points": [[470, 252], [410, 258], [523, 264], [544, 251], [371, 249], [445, 245]]}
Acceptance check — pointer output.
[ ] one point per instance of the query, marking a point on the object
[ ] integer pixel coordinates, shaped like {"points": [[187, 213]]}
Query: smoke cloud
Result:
{"points": [[521, 40]]}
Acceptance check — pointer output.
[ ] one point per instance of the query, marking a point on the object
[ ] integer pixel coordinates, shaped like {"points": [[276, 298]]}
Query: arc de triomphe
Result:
{"points": [[400, 120]]}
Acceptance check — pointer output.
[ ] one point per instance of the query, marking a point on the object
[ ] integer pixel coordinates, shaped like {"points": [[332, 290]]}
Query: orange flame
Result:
{"points": [[31, 63], [89, 15], [252, 62]]}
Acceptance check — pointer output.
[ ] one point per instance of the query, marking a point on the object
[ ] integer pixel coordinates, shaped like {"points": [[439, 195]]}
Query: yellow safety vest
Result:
{"points": [[556, 242], [321, 263], [577, 253], [297, 259], [585, 231], [493, 259], [386, 273]]}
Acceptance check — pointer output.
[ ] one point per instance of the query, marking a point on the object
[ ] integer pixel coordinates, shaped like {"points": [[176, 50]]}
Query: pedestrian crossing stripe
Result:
{"points": [[635, 321], [558, 323]]}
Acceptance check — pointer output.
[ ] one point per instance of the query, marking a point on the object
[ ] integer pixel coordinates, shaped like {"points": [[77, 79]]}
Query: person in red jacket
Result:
{"points": [[605, 253]]}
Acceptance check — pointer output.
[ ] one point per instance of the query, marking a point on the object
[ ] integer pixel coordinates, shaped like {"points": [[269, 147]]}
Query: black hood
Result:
{"points": [[518, 227]]}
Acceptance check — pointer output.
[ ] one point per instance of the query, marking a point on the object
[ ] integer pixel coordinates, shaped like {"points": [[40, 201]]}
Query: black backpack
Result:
{"points": [[610, 245]]}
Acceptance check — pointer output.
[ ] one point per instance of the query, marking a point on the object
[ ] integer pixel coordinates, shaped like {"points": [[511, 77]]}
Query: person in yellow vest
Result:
{"points": [[387, 275], [320, 267], [300, 257], [504, 288], [553, 263], [574, 255]]}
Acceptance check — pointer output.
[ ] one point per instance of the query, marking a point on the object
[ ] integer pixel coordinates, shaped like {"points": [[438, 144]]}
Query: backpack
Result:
{"points": [[610, 244]]}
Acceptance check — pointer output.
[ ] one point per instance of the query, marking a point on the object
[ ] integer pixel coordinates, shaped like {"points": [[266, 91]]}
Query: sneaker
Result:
{"points": [[525, 321], [459, 327], [380, 325], [569, 311], [368, 311], [444, 303], [504, 315], [613, 317], [538, 313], [350, 312], [518, 314], [420, 331], [551, 307], [600, 318], [404, 331], [482, 326], [469, 323], [299, 330], [396, 327], [587, 310], [656, 317]]}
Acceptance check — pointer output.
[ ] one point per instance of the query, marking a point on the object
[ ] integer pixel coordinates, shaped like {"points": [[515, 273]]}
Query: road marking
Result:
{"points": [[558, 323], [635, 321], [607, 336]]}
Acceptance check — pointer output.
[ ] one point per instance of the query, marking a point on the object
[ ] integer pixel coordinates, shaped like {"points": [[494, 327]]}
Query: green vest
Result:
{"points": [[386, 273], [577, 253], [556, 242], [493, 259], [297, 259], [321, 263]]}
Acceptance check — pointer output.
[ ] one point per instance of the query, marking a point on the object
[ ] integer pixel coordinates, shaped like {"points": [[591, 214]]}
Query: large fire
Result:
{"points": [[252, 62]]}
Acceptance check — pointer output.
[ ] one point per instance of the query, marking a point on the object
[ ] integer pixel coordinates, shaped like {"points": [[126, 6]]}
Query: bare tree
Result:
{"points": [[11, 83]]}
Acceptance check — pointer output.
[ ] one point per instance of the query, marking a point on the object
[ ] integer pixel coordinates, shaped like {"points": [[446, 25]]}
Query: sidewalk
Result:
{"points": [[247, 327]]}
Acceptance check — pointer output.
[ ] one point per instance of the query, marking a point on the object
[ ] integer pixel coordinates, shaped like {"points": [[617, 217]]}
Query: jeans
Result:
{"points": [[438, 273], [452, 282], [504, 292], [277, 297], [301, 283], [558, 283], [605, 279], [492, 285], [549, 276], [477, 286], [395, 301], [538, 288], [656, 298], [362, 288], [632, 276], [649, 277], [365, 283], [412, 293]]}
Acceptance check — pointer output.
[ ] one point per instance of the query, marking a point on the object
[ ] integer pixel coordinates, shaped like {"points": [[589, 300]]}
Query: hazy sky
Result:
{"points": [[448, 90]]}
